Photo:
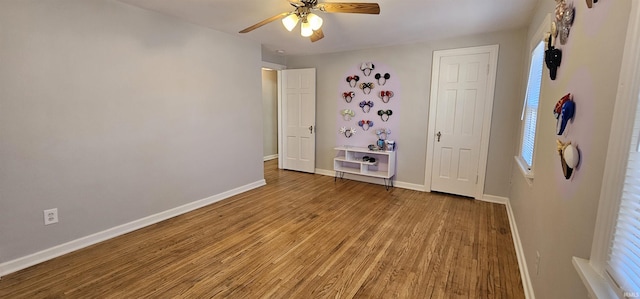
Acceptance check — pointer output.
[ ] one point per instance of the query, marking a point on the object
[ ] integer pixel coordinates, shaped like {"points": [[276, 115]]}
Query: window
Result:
{"points": [[530, 111], [613, 269], [623, 265]]}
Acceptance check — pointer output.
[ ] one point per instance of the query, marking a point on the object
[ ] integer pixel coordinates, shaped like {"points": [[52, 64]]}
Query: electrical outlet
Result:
{"points": [[50, 216], [537, 263]]}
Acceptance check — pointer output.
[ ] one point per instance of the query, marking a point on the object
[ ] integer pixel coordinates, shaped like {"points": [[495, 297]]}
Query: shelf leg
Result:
{"points": [[388, 183], [338, 174]]}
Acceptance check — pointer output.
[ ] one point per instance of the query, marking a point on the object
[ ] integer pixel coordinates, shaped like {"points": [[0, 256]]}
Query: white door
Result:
{"points": [[299, 119], [458, 120]]}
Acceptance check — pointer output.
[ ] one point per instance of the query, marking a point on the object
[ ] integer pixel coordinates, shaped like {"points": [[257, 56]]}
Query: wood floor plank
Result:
{"points": [[300, 236]]}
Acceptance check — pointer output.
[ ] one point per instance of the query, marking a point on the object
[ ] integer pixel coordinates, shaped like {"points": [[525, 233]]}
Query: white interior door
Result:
{"points": [[458, 122], [299, 119]]}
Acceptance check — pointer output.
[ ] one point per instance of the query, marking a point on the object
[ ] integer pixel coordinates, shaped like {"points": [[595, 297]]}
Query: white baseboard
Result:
{"points": [[366, 179], [522, 263], [270, 157], [494, 199], [56, 251], [410, 186], [325, 172]]}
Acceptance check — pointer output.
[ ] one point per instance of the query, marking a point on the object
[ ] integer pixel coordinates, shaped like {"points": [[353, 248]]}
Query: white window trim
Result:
{"points": [[592, 271], [527, 171]]}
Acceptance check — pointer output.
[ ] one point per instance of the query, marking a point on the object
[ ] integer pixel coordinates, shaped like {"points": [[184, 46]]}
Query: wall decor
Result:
{"points": [[365, 124], [383, 133], [353, 80], [382, 79], [552, 58], [569, 158], [567, 108], [348, 96], [347, 132], [385, 95], [367, 68], [565, 15], [366, 106], [366, 87], [347, 114], [385, 114]]}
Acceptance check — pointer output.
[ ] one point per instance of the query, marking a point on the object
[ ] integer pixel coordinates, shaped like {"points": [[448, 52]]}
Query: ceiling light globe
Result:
{"points": [[305, 29], [290, 21], [315, 21]]}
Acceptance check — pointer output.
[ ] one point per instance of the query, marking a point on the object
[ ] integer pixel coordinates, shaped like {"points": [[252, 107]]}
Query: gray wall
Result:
{"points": [[270, 112], [111, 113], [273, 57], [412, 63], [554, 216]]}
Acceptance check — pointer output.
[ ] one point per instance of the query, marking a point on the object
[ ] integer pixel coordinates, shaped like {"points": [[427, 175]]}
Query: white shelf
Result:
{"points": [[349, 160]]}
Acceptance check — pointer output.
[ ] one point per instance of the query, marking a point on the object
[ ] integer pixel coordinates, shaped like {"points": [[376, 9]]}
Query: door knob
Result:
{"points": [[439, 135], [310, 129]]}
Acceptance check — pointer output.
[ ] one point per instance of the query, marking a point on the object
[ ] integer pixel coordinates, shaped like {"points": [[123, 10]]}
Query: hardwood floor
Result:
{"points": [[300, 236]]}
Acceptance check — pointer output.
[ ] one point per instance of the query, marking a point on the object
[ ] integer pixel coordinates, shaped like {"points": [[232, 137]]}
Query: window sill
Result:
{"points": [[524, 169], [596, 284]]}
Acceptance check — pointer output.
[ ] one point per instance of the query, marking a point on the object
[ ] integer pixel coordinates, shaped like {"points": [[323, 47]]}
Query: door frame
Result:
{"points": [[492, 50], [278, 68]]}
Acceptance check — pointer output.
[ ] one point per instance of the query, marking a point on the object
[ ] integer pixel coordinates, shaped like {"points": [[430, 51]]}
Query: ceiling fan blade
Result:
{"points": [[317, 35], [368, 8], [262, 23]]}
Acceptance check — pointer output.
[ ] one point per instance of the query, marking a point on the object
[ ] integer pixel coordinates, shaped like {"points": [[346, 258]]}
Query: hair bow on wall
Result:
{"points": [[366, 106], [353, 80], [347, 132], [367, 87], [348, 96], [384, 114], [382, 79], [367, 67], [385, 95], [347, 114], [365, 124]]}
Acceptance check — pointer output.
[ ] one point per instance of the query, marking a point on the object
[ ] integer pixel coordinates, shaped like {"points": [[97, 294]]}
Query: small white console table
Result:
{"points": [[352, 160]]}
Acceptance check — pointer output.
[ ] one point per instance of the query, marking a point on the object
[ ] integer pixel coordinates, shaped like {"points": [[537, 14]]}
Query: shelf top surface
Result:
{"points": [[359, 149]]}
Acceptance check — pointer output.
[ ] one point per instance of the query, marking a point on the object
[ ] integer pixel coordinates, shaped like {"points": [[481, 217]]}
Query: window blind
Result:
{"points": [[530, 111], [624, 254]]}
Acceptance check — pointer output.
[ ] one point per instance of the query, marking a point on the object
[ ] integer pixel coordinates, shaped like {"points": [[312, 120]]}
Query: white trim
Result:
{"points": [[524, 168], [619, 142], [528, 170], [522, 262], [280, 129], [359, 178], [270, 157], [488, 110], [597, 285], [277, 68], [494, 199], [409, 186], [56, 251], [325, 172]]}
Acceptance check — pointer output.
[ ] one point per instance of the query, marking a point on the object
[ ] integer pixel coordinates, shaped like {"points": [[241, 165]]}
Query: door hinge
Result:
{"points": [[488, 69], [477, 179]]}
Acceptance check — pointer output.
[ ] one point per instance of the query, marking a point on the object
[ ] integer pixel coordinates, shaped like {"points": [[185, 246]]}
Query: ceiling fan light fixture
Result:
{"points": [[290, 21], [315, 21], [305, 29]]}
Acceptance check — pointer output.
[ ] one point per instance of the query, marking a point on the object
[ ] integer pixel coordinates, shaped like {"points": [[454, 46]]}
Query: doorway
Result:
{"points": [[270, 113], [461, 103]]}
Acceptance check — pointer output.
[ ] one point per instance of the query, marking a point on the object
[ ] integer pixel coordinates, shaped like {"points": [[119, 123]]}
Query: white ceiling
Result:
{"points": [[399, 22]]}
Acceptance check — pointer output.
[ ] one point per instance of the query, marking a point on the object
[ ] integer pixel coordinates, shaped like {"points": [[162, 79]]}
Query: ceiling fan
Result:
{"points": [[311, 22]]}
